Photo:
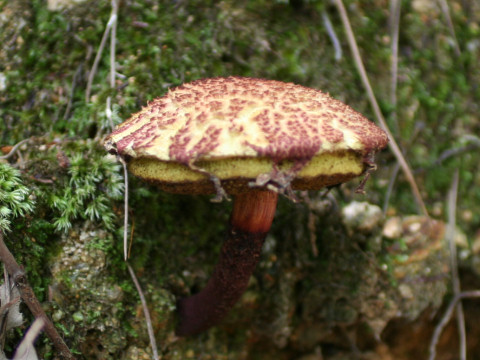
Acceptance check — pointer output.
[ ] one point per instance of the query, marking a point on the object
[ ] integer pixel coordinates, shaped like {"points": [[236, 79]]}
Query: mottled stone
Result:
{"points": [[86, 293]]}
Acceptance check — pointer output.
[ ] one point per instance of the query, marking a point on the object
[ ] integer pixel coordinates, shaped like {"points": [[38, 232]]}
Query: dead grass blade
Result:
{"points": [[28, 296], [26, 349], [148, 319], [376, 108], [448, 18], [450, 236], [445, 319]]}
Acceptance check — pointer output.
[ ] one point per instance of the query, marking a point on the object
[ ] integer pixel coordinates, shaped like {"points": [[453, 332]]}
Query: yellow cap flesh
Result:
{"points": [[239, 129]]}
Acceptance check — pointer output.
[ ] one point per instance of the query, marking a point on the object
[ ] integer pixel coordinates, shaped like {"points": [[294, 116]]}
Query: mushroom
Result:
{"points": [[250, 139]]}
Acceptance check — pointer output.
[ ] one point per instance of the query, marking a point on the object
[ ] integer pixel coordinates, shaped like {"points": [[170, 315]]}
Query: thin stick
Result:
{"points": [[391, 184], [7, 305], [72, 92], [126, 251], [455, 152], [445, 319], [376, 108], [93, 71], [26, 347], [148, 319], [28, 296], [14, 149], [112, 23], [450, 236], [448, 18], [395, 7], [331, 34], [5, 308], [125, 213], [132, 229], [113, 40]]}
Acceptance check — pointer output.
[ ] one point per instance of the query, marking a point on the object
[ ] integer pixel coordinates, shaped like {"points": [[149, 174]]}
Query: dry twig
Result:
{"points": [[146, 312], [125, 214], [448, 18], [391, 183], [395, 6], [148, 319], [111, 25], [14, 149], [450, 236], [446, 317], [25, 349], [376, 108], [454, 304], [111, 29], [331, 34], [76, 76], [28, 296], [395, 9], [473, 143], [113, 41]]}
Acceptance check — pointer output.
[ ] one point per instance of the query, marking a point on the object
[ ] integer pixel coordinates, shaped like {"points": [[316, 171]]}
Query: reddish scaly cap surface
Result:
{"points": [[244, 117]]}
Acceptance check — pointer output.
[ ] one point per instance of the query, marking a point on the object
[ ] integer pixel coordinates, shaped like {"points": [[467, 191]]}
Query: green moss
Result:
{"points": [[46, 61], [14, 197], [93, 183]]}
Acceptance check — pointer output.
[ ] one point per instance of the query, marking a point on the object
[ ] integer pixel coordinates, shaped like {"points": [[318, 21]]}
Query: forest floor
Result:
{"points": [[369, 277]]}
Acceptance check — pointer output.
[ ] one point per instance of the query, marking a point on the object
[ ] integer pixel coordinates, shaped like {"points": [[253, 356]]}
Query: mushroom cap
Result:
{"points": [[242, 131]]}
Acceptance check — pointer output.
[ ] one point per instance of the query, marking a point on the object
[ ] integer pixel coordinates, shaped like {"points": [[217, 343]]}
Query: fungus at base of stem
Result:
{"points": [[252, 216]]}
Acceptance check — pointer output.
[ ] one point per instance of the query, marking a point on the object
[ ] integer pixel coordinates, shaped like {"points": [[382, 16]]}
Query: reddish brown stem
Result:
{"points": [[250, 222]]}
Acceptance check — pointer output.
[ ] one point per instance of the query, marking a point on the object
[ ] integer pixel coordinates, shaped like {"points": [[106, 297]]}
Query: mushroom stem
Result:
{"points": [[250, 222]]}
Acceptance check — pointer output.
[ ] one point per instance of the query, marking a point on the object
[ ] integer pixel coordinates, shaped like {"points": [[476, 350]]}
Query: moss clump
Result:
{"points": [[14, 197], [44, 66], [88, 302], [87, 194]]}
